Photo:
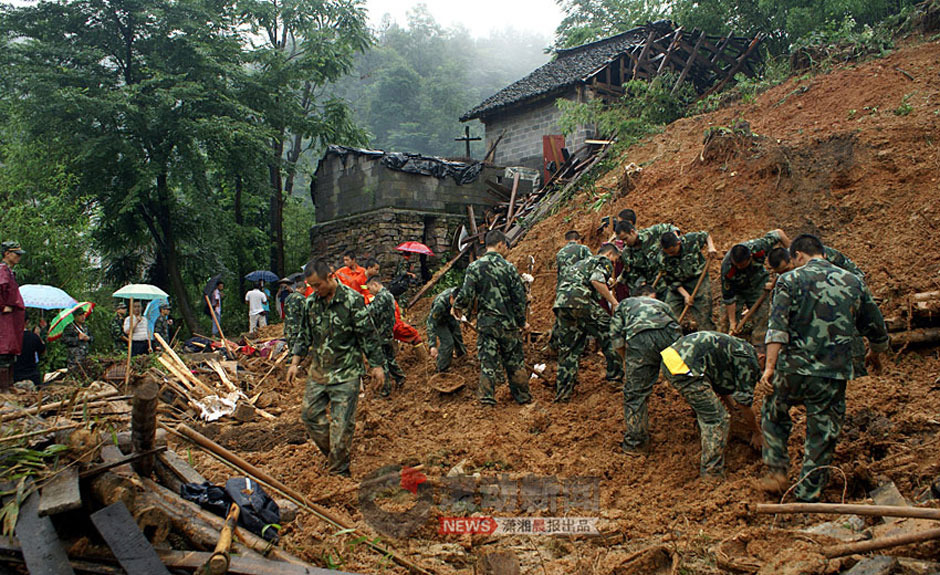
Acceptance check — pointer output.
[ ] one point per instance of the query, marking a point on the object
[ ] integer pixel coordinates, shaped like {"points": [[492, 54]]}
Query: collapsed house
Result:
{"points": [[521, 120]]}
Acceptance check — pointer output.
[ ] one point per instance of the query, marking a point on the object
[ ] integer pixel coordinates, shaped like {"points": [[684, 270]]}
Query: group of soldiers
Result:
{"points": [[800, 348]]}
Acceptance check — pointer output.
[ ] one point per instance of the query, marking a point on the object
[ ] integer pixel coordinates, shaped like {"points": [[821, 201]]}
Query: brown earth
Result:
{"points": [[839, 155]]}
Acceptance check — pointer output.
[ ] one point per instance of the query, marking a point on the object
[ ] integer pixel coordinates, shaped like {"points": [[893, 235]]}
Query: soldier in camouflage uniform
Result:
{"points": [[495, 286], [336, 331], [816, 310], [683, 264], [577, 307], [294, 312], [117, 328], [641, 256], [162, 324], [710, 368], [571, 253], [444, 335], [382, 310], [641, 328], [779, 262], [77, 340], [744, 279]]}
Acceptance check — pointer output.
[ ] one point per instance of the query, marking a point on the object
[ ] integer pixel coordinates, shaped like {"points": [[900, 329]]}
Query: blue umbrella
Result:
{"points": [[153, 312], [262, 275], [46, 297]]}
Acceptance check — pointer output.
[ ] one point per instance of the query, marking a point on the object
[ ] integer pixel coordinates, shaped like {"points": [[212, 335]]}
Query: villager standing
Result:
{"points": [[640, 329], [256, 301], [683, 266], [140, 338], [493, 285], [27, 363], [715, 373], [336, 331], [579, 312], [12, 313], [215, 300], [77, 340], [816, 311], [444, 334]]}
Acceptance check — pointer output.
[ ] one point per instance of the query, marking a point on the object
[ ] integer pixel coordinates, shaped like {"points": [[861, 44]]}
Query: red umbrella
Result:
{"points": [[415, 248]]}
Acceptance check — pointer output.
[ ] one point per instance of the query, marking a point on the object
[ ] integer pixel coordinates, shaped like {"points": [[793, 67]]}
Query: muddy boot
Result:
{"points": [[519, 387], [486, 391], [775, 482]]}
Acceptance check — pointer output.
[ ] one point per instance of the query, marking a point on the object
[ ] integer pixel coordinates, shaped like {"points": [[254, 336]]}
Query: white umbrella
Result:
{"points": [[141, 291]]}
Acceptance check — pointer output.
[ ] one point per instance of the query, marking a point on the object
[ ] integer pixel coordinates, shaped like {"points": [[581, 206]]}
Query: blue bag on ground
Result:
{"points": [[256, 509]]}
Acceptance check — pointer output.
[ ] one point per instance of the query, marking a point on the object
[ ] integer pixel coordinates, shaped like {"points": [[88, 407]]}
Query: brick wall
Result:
{"points": [[524, 127], [376, 233]]}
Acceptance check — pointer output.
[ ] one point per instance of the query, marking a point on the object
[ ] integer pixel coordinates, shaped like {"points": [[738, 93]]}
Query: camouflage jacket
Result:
{"points": [[685, 268], [729, 364], [494, 284], [117, 330], [747, 283], [382, 310], [162, 326], [642, 262], [293, 315], [440, 317], [815, 312], [71, 340], [570, 254], [840, 260], [638, 314], [337, 333], [575, 289]]}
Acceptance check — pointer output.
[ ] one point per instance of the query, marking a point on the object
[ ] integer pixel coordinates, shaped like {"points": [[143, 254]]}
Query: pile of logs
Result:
{"points": [[918, 322]]}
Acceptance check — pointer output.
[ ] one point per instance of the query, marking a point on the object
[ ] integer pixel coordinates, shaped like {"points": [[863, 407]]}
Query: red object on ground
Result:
{"points": [[415, 248]]}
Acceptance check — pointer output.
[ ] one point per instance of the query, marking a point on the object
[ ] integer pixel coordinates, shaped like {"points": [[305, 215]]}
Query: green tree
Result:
{"points": [[298, 48], [589, 20]]}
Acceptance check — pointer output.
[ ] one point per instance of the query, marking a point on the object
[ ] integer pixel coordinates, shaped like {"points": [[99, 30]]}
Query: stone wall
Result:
{"points": [[376, 233], [358, 183], [524, 127]]}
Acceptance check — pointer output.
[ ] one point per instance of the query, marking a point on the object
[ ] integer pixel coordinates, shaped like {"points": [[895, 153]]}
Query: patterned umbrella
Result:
{"points": [[46, 297], [415, 248], [65, 317]]}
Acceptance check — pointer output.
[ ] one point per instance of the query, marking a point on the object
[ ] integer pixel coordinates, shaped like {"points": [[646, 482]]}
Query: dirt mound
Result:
{"points": [[851, 156]]}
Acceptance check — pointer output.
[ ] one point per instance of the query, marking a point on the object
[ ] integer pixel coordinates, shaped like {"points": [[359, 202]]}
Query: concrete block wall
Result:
{"points": [[524, 127], [376, 234]]}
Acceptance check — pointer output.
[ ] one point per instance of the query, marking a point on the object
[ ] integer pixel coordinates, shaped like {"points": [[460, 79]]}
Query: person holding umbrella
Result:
{"points": [[77, 339], [12, 313], [140, 338]]}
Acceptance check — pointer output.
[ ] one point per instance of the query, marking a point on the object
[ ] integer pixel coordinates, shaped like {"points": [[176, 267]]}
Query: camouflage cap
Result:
{"points": [[11, 246]]}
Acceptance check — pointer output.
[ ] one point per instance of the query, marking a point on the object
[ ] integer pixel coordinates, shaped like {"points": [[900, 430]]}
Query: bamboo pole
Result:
{"points": [[130, 343], [217, 323], [881, 543], [55, 405], [848, 508], [233, 459]]}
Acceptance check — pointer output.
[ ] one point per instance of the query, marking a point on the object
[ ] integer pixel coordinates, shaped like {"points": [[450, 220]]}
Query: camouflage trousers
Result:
{"points": [[642, 370], [755, 329], [714, 421], [450, 341], [500, 349], [574, 327], [333, 433], [77, 354], [701, 308], [393, 371], [824, 399]]}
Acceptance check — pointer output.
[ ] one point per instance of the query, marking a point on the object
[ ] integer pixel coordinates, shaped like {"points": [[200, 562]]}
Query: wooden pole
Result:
{"points": [[130, 338], [849, 509], [881, 543], [750, 313], [690, 62], [920, 335], [215, 320], [437, 276], [218, 563], [323, 513], [698, 284], [512, 201], [55, 405], [144, 424]]}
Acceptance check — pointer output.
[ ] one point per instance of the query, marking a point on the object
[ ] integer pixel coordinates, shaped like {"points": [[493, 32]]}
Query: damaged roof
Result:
{"points": [[569, 67]]}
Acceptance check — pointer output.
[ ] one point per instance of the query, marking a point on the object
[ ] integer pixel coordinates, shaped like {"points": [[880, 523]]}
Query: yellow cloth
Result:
{"points": [[674, 362]]}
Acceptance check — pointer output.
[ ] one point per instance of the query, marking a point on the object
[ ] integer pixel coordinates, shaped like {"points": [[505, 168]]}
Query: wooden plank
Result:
{"points": [[512, 200], [641, 60], [501, 191], [729, 75], [44, 555], [61, 493], [180, 467], [669, 51], [690, 61], [242, 565], [437, 277], [127, 541]]}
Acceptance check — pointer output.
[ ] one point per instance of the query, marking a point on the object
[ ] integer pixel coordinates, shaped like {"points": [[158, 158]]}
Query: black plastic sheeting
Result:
{"points": [[256, 509], [461, 172]]}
